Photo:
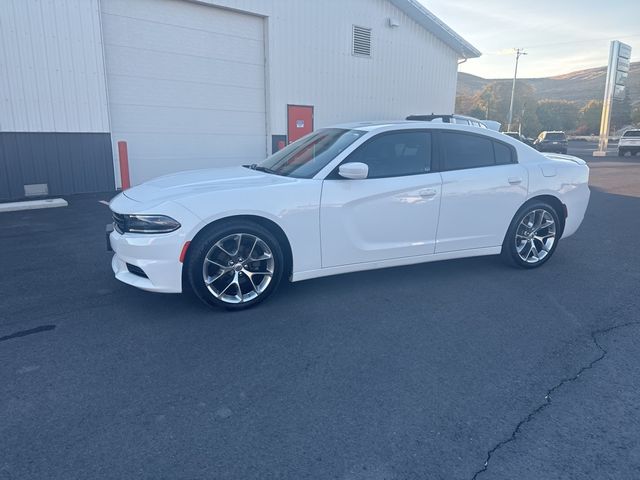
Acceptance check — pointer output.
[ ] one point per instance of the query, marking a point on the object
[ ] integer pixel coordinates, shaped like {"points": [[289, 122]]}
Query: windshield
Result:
{"points": [[632, 133], [307, 156], [555, 136]]}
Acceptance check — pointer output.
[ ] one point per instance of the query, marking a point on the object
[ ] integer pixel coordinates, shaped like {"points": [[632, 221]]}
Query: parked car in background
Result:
{"points": [[629, 143], [520, 137], [343, 199], [555, 141]]}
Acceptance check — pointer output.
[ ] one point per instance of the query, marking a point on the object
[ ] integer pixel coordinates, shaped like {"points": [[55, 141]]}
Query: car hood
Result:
{"points": [[184, 184]]}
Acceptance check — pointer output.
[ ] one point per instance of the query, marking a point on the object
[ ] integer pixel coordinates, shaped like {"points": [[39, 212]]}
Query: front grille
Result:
{"points": [[119, 222], [136, 271]]}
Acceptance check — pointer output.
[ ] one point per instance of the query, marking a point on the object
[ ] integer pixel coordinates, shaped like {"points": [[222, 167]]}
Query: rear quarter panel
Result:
{"points": [[566, 180]]}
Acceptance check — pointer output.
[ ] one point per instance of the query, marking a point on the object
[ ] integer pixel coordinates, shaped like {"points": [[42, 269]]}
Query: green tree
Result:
{"points": [[464, 103], [557, 115], [478, 112], [495, 99], [590, 116]]}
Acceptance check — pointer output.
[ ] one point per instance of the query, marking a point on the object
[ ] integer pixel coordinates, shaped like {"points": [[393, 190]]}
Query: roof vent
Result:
{"points": [[361, 41]]}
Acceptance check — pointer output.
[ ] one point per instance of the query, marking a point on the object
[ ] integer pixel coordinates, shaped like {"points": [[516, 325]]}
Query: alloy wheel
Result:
{"points": [[535, 236], [238, 268]]}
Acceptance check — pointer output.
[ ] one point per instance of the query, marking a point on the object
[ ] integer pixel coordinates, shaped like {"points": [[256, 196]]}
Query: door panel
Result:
{"points": [[478, 205], [299, 121], [379, 218]]}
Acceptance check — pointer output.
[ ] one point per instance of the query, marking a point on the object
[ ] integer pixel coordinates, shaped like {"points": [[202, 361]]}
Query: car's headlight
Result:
{"points": [[145, 223]]}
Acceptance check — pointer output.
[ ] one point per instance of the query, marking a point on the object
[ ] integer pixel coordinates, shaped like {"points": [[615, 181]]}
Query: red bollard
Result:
{"points": [[124, 165]]}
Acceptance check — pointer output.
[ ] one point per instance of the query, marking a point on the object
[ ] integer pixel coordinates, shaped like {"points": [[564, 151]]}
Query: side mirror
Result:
{"points": [[354, 170]]}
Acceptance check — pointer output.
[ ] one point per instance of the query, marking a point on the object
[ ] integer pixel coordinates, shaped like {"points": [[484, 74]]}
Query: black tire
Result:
{"points": [[206, 245], [510, 253], [621, 153]]}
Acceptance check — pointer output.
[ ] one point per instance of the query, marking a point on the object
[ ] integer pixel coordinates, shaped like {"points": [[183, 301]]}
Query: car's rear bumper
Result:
{"points": [[155, 260], [633, 149], [576, 203], [553, 148]]}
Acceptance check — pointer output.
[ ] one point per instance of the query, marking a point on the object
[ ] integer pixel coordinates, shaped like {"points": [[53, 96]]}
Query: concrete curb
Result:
{"points": [[33, 205]]}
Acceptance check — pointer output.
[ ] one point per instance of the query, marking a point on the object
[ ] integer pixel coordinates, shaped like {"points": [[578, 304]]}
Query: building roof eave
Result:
{"points": [[437, 27]]}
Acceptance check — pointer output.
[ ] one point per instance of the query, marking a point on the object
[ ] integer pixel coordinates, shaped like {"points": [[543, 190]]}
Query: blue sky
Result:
{"points": [[560, 36]]}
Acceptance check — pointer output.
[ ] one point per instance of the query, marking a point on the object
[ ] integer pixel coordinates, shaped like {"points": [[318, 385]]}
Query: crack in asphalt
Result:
{"points": [[547, 398], [24, 333]]}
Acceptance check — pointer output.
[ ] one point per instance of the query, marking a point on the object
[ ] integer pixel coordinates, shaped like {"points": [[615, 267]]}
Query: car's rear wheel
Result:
{"points": [[235, 265], [533, 236]]}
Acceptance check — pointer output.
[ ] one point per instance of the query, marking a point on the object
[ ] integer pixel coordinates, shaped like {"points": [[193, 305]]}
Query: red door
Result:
{"points": [[299, 121]]}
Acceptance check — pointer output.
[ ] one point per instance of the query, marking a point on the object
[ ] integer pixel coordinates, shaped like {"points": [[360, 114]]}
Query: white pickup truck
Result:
{"points": [[629, 143]]}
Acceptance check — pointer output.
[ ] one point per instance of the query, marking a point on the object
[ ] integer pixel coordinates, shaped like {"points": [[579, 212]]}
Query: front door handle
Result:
{"points": [[515, 180], [428, 192]]}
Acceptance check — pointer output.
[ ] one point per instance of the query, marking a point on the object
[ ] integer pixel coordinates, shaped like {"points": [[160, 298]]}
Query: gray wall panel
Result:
{"points": [[67, 162]]}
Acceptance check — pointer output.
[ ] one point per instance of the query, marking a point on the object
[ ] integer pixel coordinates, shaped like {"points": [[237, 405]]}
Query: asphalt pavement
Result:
{"points": [[452, 370]]}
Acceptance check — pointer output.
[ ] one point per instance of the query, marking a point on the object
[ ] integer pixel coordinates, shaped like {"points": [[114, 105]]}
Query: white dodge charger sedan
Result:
{"points": [[343, 199]]}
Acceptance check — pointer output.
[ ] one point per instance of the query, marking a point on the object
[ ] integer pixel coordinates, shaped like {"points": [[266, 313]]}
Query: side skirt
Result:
{"points": [[395, 262]]}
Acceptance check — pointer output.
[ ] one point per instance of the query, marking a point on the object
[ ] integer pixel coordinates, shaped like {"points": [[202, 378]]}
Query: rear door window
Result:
{"points": [[503, 153], [462, 151]]}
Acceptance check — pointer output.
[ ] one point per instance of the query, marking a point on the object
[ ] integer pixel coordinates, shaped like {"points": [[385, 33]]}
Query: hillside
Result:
{"points": [[580, 86]]}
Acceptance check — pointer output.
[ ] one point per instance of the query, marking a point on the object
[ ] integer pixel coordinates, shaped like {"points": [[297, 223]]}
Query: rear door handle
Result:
{"points": [[428, 192], [515, 180]]}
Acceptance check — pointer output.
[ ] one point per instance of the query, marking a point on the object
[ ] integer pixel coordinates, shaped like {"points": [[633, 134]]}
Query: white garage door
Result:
{"points": [[186, 85]]}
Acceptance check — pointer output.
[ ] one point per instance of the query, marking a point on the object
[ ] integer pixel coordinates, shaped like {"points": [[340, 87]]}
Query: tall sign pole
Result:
{"points": [[519, 52], [617, 72]]}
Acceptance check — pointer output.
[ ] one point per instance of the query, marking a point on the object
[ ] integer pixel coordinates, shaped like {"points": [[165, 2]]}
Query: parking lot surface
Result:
{"points": [[452, 370]]}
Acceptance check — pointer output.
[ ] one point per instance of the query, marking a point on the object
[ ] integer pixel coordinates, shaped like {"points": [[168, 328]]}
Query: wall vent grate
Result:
{"points": [[361, 41]]}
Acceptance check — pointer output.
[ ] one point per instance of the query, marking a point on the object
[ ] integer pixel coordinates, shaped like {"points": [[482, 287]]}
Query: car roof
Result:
{"points": [[373, 128], [374, 125], [416, 124], [434, 116]]}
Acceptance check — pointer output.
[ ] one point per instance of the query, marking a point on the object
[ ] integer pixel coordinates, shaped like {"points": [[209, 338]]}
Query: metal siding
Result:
{"points": [[67, 162], [410, 70], [186, 85], [310, 62], [52, 76], [51, 67]]}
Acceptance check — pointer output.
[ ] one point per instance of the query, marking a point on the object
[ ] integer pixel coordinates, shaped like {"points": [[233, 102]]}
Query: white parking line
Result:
{"points": [[104, 202]]}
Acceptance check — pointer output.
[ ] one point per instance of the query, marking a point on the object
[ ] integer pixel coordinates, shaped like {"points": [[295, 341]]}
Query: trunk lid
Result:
{"points": [[564, 158]]}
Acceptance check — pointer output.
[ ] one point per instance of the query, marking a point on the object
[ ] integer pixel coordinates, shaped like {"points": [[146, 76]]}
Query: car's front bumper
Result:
{"points": [[158, 256]]}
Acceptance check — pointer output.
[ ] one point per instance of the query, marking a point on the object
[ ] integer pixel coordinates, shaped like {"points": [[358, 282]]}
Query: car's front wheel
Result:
{"points": [[235, 265], [533, 236]]}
